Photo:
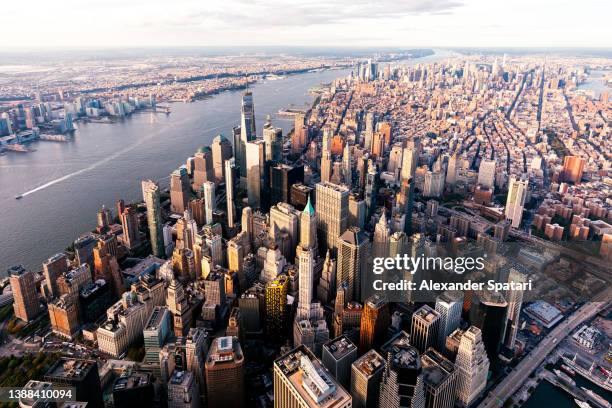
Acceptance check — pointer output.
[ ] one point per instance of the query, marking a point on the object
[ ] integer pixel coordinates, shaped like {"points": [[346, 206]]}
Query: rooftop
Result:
{"points": [[71, 368], [340, 347], [370, 363], [134, 380]]}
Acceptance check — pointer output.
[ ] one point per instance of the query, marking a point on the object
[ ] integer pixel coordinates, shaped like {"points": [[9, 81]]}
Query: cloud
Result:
{"points": [[246, 14]]}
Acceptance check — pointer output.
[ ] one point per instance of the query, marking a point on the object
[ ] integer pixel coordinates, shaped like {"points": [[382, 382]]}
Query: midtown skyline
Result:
{"points": [[414, 23]]}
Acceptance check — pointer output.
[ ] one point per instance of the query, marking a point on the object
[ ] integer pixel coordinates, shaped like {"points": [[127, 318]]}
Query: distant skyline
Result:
{"points": [[351, 23]]}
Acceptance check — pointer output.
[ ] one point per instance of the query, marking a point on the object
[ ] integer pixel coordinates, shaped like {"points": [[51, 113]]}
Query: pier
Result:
{"points": [[574, 391], [589, 373]]}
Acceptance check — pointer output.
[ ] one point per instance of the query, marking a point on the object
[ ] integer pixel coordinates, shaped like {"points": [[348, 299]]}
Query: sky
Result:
{"points": [[351, 23]]}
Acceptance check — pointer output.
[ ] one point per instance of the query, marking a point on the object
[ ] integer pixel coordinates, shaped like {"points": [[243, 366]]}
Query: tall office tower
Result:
{"points": [[338, 356], [515, 302], [225, 373], [451, 171], [300, 134], [282, 177], [395, 159], [273, 138], [357, 211], [183, 390], [106, 267], [368, 132], [150, 193], [489, 312], [179, 190], [410, 160], [255, 161], [375, 321], [433, 184], [486, 173], [177, 304], [332, 210], [52, 269], [229, 172], [327, 282], [424, 329], [247, 223], [155, 333], [517, 193], [432, 208], [284, 219], [439, 378], [449, 306], [203, 167], [221, 152], [301, 381], [326, 166], [80, 374], [197, 209], [370, 189], [64, 316], [573, 166], [208, 192], [402, 382], [133, 388], [251, 304], [381, 237], [73, 281], [104, 218], [25, 298], [366, 375], [472, 366], [247, 131], [274, 263], [347, 166], [276, 307], [353, 254], [129, 224], [196, 348]]}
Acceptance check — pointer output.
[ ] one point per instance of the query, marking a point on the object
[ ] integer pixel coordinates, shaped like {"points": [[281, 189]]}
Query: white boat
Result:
{"points": [[596, 397], [582, 404]]}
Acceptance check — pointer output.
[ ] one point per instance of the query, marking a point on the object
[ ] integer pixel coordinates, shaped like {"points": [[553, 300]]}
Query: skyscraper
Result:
{"points": [[247, 130], [25, 298], [301, 381], [353, 253], [366, 375], [489, 312], [179, 190], [439, 377], [338, 356], [150, 193], [486, 173], [182, 390], [282, 177], [449, 306], [129, 224], [52, 269], [230, 169], [326, 155], [255, 161], [517, 193], [273, 138], [375, 320], [225, 373], [80, 374], [424, 329], [402, 383], [208, 192], [573, 166], [332, 210], [203, 167], [515, 302], [472, 367], [276, 307], [221, 152]]}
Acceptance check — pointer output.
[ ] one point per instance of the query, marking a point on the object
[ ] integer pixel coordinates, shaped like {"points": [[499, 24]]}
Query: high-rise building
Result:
{"points": [[332, 210], [301, 381], [282, 177], [338, 355], [157, 330], [327, 282], [486, 173], [221, 152], [284, 219], [326, 156], [375, 320], [247, 131], [449, 306], [229, 172], [273, 138], [129, 224], [179, 307], [52, 269], [515, 302], [183, 390], [196, 348], [402, 383], [255, 165], [203, 169], [573, 166], [366, 375], [517, 193], [25, 298], [472, 367], [424, 329], [80, 374], [356, 211], [276, 307], [64, 316], [225, 374], [179, 190], [439, 377], [208, 192], [489, 312], [353, 253], [150, 193]]}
